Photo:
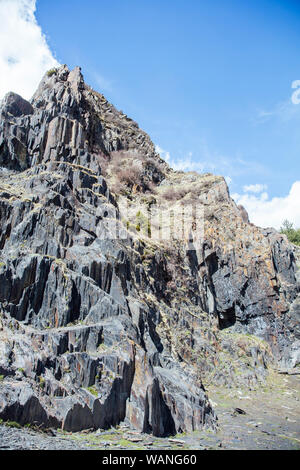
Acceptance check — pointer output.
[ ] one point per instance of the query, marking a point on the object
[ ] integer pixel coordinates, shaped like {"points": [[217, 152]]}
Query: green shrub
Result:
{"points": [[41, 382], [51, 72], [292, 234], [93, 390], [12, 424]]}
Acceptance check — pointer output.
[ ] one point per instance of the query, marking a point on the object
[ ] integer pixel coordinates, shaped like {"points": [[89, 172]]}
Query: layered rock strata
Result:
{"points": [[101, 322]]}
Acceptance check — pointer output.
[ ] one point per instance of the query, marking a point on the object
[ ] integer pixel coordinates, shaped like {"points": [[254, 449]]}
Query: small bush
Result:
{"points": [[12, 424], [93, 391], [51, 72], [41, 382], [117, 188], [134, 171], [292, 234], [143, 224], [130, 176], [174, 194]]}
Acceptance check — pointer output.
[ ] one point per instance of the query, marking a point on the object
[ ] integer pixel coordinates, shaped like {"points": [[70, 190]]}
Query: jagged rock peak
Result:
{"points": [[68, 121], [55, 82]]}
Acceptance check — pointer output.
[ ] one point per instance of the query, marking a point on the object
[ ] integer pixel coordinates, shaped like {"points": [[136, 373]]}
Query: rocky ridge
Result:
{"points": [[98, 329]]}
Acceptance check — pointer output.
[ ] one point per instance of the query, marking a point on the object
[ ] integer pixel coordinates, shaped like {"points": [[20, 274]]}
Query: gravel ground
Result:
{"points": [[22, 439], [267, 418]]}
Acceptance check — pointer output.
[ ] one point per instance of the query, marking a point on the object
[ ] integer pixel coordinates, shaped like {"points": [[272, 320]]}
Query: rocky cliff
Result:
{"points": [[107, 314]]}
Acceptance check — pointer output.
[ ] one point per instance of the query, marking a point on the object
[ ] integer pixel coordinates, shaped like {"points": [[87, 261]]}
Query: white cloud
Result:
{"points": [[262, 210], [266, 212], [163, 153], [255, 188], [24, 53], [187, 164], [284, 112], [183, 164], [210, 161]]}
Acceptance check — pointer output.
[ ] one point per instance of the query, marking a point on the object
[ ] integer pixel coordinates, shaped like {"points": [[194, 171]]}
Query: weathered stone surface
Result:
{"points": [[96, 329], [16, 105]]}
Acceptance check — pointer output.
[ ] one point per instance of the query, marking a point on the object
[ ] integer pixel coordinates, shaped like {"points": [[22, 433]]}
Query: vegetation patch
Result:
{"points": [[51, 72], [93, 390], [292, 234], [12, 424]]}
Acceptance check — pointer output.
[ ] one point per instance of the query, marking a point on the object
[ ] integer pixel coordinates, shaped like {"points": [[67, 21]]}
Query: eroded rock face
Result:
{"points": [[96, 328]]}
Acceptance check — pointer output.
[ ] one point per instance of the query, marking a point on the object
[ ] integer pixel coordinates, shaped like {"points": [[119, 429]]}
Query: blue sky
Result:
{"points": [[210, 81]]}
